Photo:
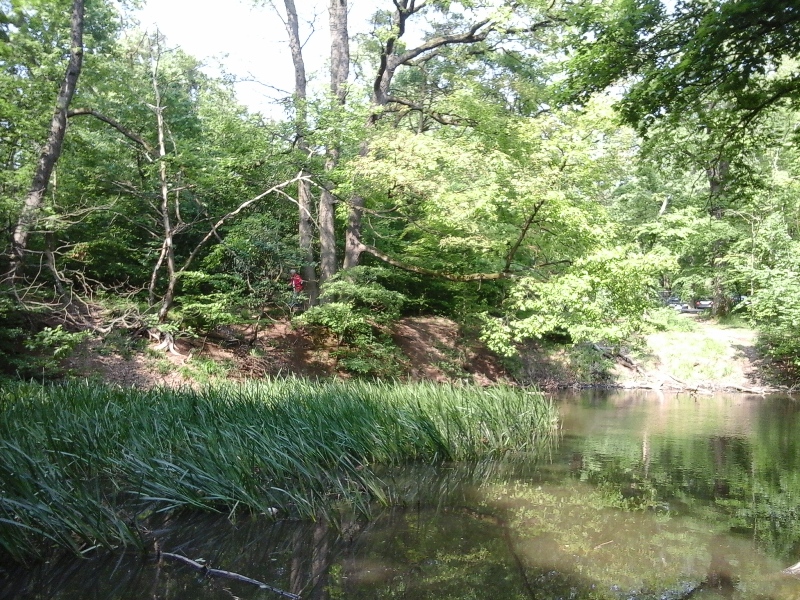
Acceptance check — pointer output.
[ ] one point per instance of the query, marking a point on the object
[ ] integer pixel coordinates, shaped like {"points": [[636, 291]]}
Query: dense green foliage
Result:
{"points": [[82, 465], [689, 56], [461, 165]]}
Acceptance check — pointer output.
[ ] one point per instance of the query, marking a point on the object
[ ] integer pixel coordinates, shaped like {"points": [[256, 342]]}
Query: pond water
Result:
{"points": [[641, 496]]}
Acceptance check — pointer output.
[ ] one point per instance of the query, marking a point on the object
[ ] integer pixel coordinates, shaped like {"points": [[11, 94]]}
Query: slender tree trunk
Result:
{"points": [[352, 240], [306, 234], [304, 195], [717, 174], [169, 247], [340, 70], [52, 149]]}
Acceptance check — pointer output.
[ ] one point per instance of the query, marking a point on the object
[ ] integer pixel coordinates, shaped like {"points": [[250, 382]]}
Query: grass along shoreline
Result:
{"points": [[82, 465]]}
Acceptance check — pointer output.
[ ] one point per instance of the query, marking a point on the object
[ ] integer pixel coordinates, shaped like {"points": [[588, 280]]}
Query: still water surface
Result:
{"points": [[641, 496]]}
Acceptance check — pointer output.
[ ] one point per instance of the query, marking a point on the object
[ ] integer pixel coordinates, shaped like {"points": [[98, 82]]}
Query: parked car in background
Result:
{"points": [[703, 304], [674, 301]]}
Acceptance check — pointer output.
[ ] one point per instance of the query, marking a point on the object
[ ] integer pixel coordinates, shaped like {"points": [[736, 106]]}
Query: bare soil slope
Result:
{"points": [[710, 357], [435, 348]]}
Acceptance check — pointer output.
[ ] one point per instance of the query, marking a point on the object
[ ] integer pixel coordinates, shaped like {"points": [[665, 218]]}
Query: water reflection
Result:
{"points": [[643, 496]]}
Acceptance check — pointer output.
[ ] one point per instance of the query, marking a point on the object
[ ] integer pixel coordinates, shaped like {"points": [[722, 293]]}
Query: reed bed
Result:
{"points": [[82, 465]]}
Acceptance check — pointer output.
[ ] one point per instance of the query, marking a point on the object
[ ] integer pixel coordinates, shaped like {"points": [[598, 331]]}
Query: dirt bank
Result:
{"points": [[710, 356], [706, 357]]}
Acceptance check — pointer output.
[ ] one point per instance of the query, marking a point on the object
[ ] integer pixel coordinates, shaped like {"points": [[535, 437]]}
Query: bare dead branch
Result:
{"points": [[235, 212]]}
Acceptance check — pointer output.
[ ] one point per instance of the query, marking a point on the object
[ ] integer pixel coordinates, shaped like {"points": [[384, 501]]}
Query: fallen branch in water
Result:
{"points": [[226, 574], [794, 570]]}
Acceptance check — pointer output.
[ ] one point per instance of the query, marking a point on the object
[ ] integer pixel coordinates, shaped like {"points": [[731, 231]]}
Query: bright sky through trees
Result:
{"points": [[249, 42]]}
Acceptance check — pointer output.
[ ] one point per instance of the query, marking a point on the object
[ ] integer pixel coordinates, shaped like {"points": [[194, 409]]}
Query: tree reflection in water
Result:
{"points": [[642, 497]]}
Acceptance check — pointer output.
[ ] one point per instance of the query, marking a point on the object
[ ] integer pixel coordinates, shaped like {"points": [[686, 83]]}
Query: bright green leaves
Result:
{"points": [[600, 297], [520, 196], [468, 196], [689, 58]]}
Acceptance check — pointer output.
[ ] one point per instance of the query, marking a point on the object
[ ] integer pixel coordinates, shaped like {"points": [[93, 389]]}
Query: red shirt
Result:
{"points": [[297, 282]]}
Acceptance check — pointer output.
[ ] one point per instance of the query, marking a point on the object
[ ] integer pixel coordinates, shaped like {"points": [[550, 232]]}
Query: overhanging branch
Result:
{"points": [[78, 112], [432, 273], [233, 213]]}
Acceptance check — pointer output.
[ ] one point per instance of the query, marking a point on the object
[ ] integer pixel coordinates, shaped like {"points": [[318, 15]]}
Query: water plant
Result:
{"points": [[82, 465]]}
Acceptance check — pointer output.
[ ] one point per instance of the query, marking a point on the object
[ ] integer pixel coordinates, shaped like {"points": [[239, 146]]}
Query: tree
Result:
{"points": [[527, 211], [52, 149], [304, 194], [339, 72], [468, 24], [737, 57], [140, 204]]}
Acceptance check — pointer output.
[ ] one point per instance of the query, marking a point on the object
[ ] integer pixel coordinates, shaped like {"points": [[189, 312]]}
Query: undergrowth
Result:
{"points": [[79, 462]]}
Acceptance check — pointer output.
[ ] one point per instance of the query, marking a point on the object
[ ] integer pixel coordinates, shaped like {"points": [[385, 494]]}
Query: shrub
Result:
{"points": [[357, 310]]}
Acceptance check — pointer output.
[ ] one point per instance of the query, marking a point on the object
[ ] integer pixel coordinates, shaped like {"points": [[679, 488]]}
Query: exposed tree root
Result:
{"points": [[168, 343]]}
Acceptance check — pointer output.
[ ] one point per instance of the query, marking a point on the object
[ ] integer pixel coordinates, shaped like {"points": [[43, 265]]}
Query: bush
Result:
{"points": [[27, 353], [357, 311]]}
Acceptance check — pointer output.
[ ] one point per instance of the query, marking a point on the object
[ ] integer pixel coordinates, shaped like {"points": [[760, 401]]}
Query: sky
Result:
{"points": [[248, 42]]}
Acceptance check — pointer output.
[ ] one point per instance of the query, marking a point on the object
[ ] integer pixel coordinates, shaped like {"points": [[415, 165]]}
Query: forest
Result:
{"points": [[533, 169]]}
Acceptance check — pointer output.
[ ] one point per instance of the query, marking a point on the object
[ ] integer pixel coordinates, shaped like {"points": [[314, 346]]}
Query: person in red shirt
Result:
{"points": [[296, 283]]}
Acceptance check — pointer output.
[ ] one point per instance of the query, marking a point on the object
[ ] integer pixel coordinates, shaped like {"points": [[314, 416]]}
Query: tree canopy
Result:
{"points": [[736, 55], [463, 157]]}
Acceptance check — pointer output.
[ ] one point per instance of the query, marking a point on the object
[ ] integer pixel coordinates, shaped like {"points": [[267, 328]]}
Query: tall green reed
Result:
{"points": [[79, 462]]}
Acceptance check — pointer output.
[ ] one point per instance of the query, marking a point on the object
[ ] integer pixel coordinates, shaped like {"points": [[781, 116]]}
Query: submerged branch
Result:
{"points": [[226, 574]]}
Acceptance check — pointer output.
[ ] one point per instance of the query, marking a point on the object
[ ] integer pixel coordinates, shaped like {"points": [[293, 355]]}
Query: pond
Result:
{"points": [[641, 496]]}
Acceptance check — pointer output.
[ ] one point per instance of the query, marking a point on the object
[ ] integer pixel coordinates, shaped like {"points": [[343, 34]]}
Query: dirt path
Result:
{"points": [[709, 356]]}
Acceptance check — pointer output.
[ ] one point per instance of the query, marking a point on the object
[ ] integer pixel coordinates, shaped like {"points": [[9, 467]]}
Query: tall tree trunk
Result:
{"points": [[327, 232], [304, 195], [717, 174], [168, 247], [52, 149], [352, 239], [340, 70], [340, 49]]}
